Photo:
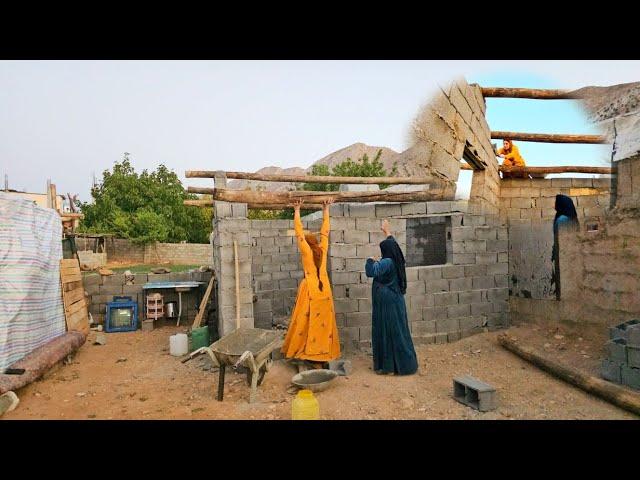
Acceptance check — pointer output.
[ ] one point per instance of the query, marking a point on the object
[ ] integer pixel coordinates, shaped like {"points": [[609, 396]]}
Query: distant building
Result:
{"points": [[40, 199]]}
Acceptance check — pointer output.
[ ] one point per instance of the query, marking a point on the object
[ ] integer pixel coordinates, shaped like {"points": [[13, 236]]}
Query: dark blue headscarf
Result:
{"points": [[390, 249], [564, 206]]}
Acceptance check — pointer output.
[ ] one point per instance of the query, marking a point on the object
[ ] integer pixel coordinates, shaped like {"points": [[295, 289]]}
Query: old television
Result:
{"points": [[121, 315]]}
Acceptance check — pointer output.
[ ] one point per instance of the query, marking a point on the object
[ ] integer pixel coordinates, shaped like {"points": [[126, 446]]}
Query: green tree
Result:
{"points": [[145, 207], [362, 167]]}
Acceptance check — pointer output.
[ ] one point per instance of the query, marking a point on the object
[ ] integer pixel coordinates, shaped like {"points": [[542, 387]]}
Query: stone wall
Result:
{"points": [[123, 250], [102, 289], [628, 182], [527, 207]]}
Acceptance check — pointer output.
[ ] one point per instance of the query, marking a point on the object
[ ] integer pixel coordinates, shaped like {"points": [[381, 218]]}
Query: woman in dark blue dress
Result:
{"points": [[393, 351], [567, 219]]}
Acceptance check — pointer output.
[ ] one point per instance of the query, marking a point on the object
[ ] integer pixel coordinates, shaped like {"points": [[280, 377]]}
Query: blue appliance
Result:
{"points": [[122, 315]]}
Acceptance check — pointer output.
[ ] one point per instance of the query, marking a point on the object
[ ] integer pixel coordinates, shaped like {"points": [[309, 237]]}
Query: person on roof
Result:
{"points": [[512, 158]]}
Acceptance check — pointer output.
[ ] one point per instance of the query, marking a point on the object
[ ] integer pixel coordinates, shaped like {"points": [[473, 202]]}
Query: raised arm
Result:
{"points": [[297, 221], [326, 226]]}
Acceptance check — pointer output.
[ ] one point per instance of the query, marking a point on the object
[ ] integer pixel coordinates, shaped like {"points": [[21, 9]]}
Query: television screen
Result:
{"points": [[121, 317]]}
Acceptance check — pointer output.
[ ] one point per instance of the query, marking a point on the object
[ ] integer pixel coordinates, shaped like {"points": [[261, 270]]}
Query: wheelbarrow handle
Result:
{"points": [[193, 354]]}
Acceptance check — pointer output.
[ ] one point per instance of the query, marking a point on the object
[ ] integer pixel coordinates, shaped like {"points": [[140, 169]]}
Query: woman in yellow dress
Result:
{"points": [[512, 158], [313, 333]]}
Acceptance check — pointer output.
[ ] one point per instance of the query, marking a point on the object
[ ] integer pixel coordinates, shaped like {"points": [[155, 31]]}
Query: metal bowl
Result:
{"points": [[314, 380]]}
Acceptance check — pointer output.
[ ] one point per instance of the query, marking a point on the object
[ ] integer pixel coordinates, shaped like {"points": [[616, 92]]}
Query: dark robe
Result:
{"points": [[393, 350], [567, 218]]}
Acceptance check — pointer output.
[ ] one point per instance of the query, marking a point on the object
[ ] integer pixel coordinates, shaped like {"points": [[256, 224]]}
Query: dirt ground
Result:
{"points": [[134, 377]]}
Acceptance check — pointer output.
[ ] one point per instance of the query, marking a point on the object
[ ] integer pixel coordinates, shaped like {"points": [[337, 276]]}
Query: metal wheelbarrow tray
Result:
{"points": [[249, 348]]}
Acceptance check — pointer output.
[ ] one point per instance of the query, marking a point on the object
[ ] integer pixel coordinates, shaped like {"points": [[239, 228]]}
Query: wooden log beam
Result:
{"points": [[547, 170], [549, 137], [610, 392], [316, 179], [286, 198], [535, 93], [254, 206]]}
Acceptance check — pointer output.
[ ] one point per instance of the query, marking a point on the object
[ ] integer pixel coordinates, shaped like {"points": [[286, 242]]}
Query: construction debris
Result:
{"points": [[8, 402]]}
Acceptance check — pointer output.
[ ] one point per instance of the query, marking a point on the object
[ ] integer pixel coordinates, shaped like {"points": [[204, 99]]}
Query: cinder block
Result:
{"points": [[416, 208], [630, 376], [147, 325], [440, 338], [455, 311], [388, 210], [620, 331], [633, 334], [617, 350], [611, 371], [633, 355], [464, 258], [446, 325], [357, 236], [452, 271], [486, 258], [360, 211], [474, 393], [429, 273], [416, 288], [343, 367], [358, 319], [434, 313], [459, 284], [445, 298], [470, 296], [433, 286]]}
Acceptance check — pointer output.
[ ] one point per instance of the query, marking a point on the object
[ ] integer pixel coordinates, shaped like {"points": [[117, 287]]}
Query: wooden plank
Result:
{"points": [[77, 277], [73, 296], [548, 137], [78, 321], [69, 262], [326, 179], [69, 271], [203, 304], [71, 308]]}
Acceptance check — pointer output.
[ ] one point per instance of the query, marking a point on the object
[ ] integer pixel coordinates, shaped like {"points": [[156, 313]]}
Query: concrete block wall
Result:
{"points": [[230, 224], [444, 302], [276, 271], [102, 289], [628, 183], [123, 250], [527, 208]]}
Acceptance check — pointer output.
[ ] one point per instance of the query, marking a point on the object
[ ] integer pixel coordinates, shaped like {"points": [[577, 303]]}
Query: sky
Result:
{"points": [[69, 120]]}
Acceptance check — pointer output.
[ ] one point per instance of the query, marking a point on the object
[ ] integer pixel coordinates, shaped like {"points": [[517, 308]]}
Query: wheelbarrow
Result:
{"points": [[246, 348]]}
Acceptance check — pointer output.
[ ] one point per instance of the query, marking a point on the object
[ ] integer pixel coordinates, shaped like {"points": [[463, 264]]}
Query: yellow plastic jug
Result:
{"points": [[305, 406]]}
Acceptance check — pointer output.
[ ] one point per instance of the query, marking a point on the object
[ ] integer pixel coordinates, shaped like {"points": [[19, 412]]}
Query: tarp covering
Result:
{"points": [[31, 310]]}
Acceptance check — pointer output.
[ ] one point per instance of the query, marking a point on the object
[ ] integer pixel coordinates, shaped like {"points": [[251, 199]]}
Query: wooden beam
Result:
{"points": [[620, 396], [255, 206], [535, 93], [560, 169], [286, 198], [547, 170], [548, 137], [316, 179]]}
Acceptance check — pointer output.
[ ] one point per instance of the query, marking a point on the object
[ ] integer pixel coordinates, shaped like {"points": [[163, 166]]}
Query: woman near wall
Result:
{"points": [[313, 333], [512, 158], [567, 219], [393, 351]]}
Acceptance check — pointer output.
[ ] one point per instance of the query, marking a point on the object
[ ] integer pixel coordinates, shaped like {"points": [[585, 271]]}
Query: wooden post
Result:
{"points": [[235, 254]]}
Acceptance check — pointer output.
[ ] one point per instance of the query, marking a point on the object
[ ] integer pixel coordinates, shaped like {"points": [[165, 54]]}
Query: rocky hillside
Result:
{"points": [[616, 110], [354, 152]]}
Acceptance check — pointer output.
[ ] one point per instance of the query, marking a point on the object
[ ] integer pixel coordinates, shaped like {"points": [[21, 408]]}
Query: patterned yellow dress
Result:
{"points": [[313, 333]]}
